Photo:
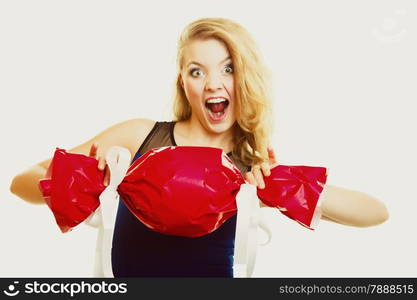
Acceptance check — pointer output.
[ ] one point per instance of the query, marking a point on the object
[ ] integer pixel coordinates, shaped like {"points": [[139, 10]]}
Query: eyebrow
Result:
{"points": [[198, 64]]}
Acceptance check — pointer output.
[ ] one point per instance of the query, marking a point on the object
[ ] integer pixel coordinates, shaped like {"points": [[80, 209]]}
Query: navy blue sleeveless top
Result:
{"points": [[138, 251]]}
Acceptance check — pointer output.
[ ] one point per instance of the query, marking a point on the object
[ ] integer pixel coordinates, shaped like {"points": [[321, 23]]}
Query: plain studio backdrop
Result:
{"points": [[344, 75]]}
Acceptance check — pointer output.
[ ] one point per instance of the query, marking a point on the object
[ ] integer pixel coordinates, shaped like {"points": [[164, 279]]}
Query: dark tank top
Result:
{"points": [[141, 252]]}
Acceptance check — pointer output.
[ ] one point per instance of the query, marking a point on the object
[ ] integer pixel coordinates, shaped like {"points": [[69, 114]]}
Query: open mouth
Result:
{"points": [[217, 107]]}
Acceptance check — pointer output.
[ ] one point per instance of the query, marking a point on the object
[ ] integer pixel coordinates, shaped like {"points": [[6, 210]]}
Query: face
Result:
{"points": [[208, 81]]}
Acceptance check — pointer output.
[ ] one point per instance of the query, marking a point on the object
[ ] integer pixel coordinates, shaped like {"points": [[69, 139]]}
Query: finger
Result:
{"points": [[106, 180], [101, 163], [266, 169], [272, 157], [93, 150], [258, 176], [249, 178]]}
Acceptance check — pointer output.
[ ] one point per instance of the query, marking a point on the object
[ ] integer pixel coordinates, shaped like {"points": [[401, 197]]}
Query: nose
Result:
{"points": [[213, 82]]}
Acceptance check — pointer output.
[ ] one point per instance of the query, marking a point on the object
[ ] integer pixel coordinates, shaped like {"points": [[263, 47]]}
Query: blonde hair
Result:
{"points": [[252, 94]]}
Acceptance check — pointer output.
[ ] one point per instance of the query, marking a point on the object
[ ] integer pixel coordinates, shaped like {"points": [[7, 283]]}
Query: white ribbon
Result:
{"points": [[246, 239], [118, 161], [248, 220]]}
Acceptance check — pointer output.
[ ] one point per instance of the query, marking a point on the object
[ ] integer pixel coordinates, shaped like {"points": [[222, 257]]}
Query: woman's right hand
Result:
{"points": [[102, 164]]}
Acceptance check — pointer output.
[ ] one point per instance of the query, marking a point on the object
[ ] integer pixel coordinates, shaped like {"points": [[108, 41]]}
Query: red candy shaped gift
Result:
{"points": [[184, 191], [189, 191], [295, 191], [72, 188]]}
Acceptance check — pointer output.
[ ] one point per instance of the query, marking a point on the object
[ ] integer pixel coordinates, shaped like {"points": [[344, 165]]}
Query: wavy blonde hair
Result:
{"points": [[252, 128]]}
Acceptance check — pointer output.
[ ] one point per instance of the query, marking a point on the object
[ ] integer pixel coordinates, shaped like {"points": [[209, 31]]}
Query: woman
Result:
{"points": [[222, 100]]}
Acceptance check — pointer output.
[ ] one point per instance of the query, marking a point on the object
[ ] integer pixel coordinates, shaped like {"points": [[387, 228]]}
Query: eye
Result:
{"points": [[229, 68], [195, 72]]}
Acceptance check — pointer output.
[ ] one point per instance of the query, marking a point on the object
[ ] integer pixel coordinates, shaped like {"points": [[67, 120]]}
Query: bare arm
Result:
{"points": [[352, 208], [129, 134], [340, 205]]}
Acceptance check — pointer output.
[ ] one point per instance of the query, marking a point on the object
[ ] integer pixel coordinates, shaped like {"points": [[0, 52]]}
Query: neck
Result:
{"points": [[192, 133]]}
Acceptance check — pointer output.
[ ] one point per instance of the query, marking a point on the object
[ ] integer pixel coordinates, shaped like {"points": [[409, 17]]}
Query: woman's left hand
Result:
{"points": [[256, 175]]}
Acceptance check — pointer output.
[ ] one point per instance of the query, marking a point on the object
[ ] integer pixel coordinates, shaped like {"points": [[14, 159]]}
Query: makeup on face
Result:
{"points": [[209, 82]]}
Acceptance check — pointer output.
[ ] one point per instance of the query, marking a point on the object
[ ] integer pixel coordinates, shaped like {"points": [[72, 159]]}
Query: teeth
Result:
{"points": [[216, 100]]}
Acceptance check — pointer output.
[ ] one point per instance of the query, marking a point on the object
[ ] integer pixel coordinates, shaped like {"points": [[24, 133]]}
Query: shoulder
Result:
{"points": [[140, 125], [131, 133]]}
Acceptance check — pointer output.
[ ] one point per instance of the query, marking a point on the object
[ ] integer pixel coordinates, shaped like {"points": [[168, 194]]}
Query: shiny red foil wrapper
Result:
{"points": [[182, 190], [71, 188], [186, 191], [294, 190]]}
